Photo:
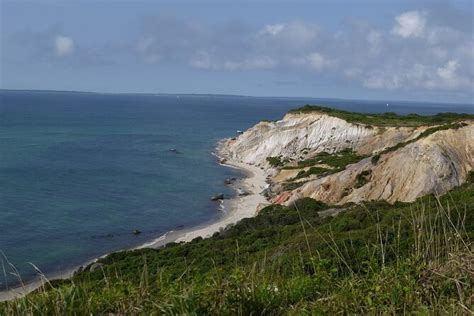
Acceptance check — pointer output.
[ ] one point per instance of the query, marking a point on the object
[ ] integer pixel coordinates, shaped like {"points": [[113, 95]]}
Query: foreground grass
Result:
{"points": [[388, 118], [372, 258]]}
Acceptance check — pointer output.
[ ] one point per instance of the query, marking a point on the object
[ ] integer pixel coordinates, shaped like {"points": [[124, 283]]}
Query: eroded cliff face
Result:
{"points": [[431, 164], [297, 136]]}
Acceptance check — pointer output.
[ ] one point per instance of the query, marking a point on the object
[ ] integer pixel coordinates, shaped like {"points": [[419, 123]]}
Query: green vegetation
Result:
{"points": [[470, 177], [337, 161], [311, 171], [290, 185], [363, 178], [276, 161], [388, 118], [375, 159], [376, 258]]}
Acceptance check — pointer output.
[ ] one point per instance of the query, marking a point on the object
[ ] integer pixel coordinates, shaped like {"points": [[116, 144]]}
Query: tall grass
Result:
{"points": [[419, 260]]}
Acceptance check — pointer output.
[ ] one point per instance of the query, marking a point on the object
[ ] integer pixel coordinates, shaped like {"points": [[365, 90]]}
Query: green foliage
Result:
{"points": [[375, 159], [289, 186], [388, 118], [470, 177], [338, 161], [374, 258], [308, 206], [313, 170], [276, 161], [363, 178]]}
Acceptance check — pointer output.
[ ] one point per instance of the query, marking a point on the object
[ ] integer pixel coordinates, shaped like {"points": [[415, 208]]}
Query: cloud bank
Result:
{"points": [[415, 52]]}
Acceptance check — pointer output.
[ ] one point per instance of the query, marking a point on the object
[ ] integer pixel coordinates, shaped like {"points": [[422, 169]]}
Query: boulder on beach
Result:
{"points": [[219, 196], [223, 161], [243, 193]]}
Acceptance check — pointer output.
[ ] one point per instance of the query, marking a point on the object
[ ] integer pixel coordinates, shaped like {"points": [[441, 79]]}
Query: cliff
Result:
{"points": [[325, 157]]}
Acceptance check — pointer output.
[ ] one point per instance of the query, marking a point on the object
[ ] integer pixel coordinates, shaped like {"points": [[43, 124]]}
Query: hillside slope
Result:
{"points": [[375, 258]]}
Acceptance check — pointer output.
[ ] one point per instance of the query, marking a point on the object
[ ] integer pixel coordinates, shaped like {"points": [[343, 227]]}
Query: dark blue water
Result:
{"points": [[79, 172]]}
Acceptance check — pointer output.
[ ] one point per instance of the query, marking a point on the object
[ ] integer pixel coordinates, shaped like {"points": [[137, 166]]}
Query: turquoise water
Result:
{"points": [[79, 172]]}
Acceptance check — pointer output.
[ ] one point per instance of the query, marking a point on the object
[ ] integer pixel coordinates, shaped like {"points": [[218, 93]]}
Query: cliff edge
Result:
{"points": [[338, 157]]}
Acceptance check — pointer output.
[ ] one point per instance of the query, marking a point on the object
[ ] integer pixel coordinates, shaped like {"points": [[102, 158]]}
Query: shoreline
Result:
{"points": [[234, 210]]}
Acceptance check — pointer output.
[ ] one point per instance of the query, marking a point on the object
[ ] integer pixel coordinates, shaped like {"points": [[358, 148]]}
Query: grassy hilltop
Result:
{"points": [[387, 118], [370, 258]]}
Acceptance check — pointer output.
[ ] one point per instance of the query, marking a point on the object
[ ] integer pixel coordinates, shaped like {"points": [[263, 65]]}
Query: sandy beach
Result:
{"points": [[233, 210]]}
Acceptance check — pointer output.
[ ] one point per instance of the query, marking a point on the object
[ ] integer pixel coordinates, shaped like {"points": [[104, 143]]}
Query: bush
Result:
{"points": [[275, 161], [470, 177], [375, 159], [363, 178]]}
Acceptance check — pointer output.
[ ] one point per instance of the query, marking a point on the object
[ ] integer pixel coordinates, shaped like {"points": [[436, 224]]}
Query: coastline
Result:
{"points": [[234, 210]]}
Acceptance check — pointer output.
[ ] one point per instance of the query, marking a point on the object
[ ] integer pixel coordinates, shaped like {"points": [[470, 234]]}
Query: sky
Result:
{"points": [[352, 49]]}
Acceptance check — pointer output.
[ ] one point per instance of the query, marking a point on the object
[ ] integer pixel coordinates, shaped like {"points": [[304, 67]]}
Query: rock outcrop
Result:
{"points": [[432, 164]]}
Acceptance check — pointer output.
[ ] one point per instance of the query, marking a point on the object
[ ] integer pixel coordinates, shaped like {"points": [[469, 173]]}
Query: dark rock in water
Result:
{"points": [[230, 180], [136, 232], [95, 266], [223, 161], [174, 150], [217, 197]]}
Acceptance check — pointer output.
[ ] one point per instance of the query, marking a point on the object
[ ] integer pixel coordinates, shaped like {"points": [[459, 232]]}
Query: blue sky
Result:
{"points": [[403, 50]]}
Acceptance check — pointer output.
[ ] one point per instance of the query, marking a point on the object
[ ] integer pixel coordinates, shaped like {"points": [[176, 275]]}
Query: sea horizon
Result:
{"points": [[316, 98]]}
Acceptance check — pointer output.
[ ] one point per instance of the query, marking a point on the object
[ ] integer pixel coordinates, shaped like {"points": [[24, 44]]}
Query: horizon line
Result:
{"points": [[228, 95]]}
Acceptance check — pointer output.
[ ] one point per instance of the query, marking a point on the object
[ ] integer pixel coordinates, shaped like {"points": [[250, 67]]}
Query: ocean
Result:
{"points": [[79, 172]]}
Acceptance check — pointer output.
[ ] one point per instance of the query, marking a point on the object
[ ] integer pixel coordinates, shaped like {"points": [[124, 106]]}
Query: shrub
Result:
{"points": [[275, 161], [363, 178], [375, 159], [470, 177]]}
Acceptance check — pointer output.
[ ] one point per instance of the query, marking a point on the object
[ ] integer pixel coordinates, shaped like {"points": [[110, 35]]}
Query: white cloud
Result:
{"points": [[382, 80], [272, 29], [374, 39], [410, 24], [295, 34], [204, 60], [314, 61], [441, 58], [445, 77], [448, 75], [63, 45], [437, 35], [254, 63]]}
